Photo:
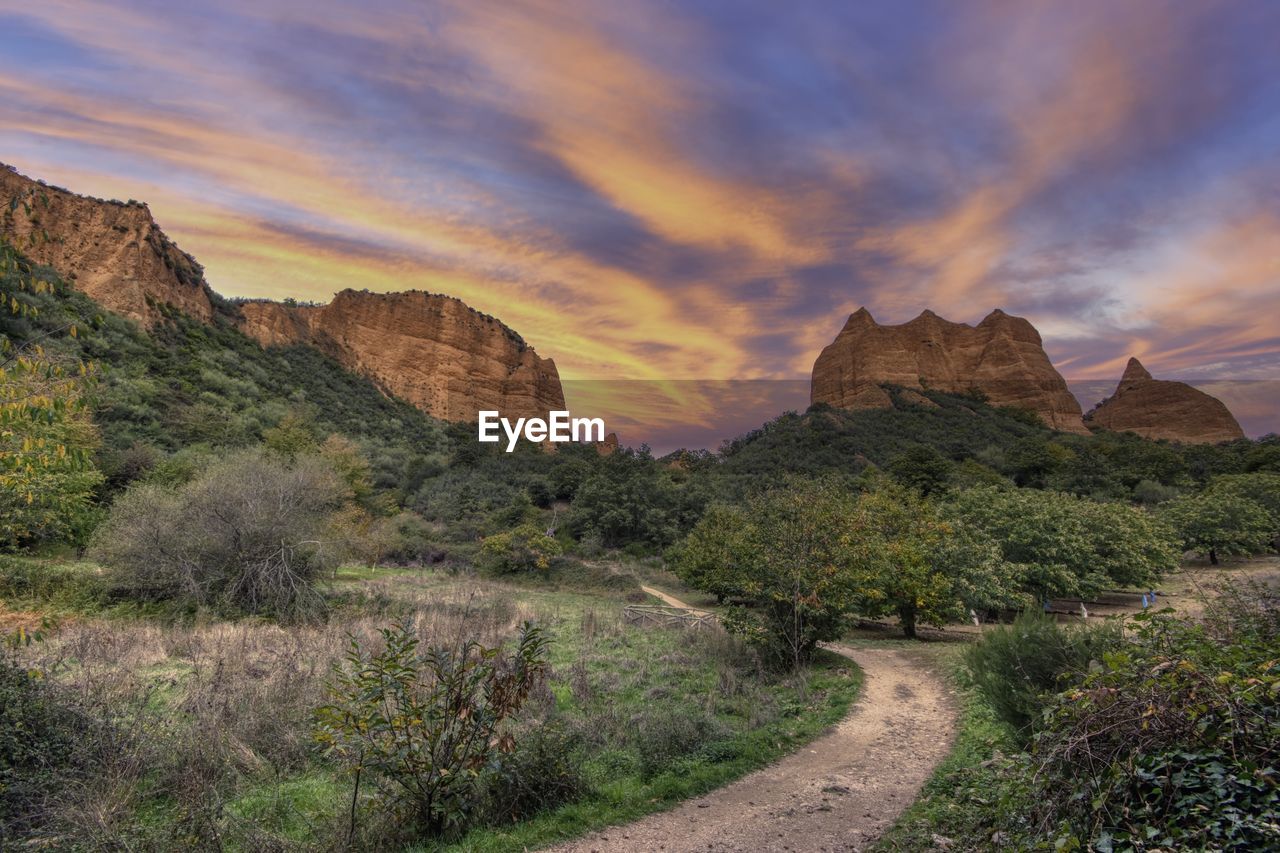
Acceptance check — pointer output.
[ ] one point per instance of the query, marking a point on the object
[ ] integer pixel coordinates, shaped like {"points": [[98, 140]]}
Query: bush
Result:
{"points": [[544, 771], [423, 726], [524, 549], [32, 581], [42, 745], [1018, 668], [1172, 741], [249, 534], [664, 736]]}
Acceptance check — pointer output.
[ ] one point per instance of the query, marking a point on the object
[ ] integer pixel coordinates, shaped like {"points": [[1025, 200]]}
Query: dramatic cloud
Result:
{"points": [[702, 191]]}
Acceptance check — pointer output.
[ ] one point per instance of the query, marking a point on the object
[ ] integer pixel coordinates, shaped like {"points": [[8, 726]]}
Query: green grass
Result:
{"points": [[832, 685]]}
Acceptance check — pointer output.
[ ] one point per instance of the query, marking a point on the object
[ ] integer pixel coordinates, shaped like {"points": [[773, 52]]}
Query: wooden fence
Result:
{"points": [[667, 617]]}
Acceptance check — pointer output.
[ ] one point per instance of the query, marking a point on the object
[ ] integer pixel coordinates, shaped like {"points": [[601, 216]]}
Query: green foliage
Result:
{"points": [[797, 558], [424, 725], [629, 498], [1015, 667], [43, 745], [1220, 523], [250, 534], [542, 772], [927, 570], [1164, 737], [1068, 546], [1173, 740], [30, 582], [184, 382], [921, 468], [47, 437], [665, 736], [524, 549]]}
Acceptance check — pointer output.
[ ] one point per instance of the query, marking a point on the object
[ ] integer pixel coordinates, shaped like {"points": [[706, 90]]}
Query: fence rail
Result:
{"points": [[667, 617]]}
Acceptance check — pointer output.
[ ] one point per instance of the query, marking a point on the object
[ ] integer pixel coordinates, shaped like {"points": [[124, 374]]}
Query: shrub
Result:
{"points": [[525, 549], [248, 534], [1018, 668], [664, 736], [42, 744], [544, 771], [423, 726], [32, 581], [1172, 741]]}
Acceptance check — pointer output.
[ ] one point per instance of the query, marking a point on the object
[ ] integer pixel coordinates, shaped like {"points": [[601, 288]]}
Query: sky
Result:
{"points": [[652, 192]]}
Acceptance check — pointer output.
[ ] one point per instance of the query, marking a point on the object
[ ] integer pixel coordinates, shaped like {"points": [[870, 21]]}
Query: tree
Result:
{"points": [[714, 556], [798, 558], [921, 468], [930, 571], [1261, 487], [47, 438], [1065, 545], [1219, 524]]}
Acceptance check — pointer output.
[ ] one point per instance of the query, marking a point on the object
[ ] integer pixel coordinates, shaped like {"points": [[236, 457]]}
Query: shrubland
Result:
{"points": [[1161, 735]]}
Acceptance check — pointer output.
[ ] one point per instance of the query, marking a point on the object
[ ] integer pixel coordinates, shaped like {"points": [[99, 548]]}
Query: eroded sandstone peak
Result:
{"points": [[113, 251], [434, 351], [1164, 409], [1002, 357]]}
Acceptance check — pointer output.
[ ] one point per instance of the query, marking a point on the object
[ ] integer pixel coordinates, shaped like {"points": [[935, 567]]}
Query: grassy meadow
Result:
{"points": [[210, 720]]}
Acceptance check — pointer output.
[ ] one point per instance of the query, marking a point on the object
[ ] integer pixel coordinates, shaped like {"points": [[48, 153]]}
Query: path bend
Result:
{"points": [[838, 793]]}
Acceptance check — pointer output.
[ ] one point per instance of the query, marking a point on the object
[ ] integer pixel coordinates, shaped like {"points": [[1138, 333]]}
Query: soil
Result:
{"points": [[839, 792]]}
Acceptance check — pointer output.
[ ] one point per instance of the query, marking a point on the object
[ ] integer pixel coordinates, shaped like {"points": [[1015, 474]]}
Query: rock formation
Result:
{"points": [[1159, 408], [433, 351], [111, 250], [1002, 357]]}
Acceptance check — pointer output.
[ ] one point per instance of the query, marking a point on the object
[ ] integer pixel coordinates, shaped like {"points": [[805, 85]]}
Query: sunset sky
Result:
{"points": [[696, 190]]}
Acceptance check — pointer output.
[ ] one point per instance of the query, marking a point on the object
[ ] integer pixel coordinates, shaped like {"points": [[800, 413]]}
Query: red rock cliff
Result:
{"points": [[112, 251], [1002, 357], [1158, 408], [433, 351]]}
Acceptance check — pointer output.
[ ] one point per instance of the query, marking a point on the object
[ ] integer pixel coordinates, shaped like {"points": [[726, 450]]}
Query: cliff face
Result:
{"points": [[1003, 357], [433, 351], [1157, 408], [114, 252]]}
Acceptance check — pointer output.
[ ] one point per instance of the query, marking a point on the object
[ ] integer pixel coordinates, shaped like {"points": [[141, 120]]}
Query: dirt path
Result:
{"points": [[670, 600], [838, 793]]}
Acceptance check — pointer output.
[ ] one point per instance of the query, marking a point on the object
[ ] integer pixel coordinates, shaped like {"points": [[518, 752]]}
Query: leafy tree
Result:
{"points": [[47, 436], [1068, 546], [929, 570], [422, 725], [798, 558], [921, 468], [714, 556], [1261, 487], [525, 549], [630, 499], [1219, 524]]}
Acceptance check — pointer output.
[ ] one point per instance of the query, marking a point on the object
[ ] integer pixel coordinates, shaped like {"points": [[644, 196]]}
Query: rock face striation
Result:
{"points": [[111, 250], [1159, 408], [447, 359], [1002, 357]]}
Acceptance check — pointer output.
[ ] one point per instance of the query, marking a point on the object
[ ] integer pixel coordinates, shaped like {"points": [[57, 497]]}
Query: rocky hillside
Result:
{"points": [[1159, 408], [112, 251], [1002, 357], [433, 351]]}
